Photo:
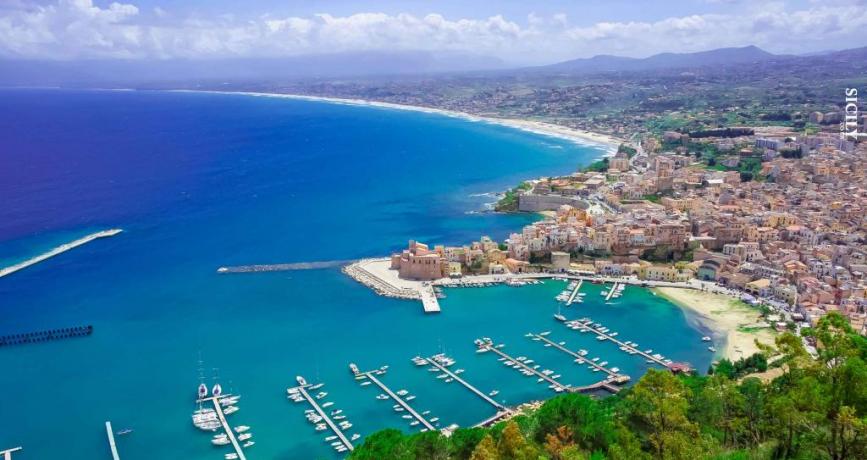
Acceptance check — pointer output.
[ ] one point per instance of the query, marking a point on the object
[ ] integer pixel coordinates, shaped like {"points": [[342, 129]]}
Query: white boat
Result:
{"points": [[231, 456], [220, 442], [705, 339], [381, 396], [300, 380], [321, 395], [410, 397], [407, 416], [442, 376], [494, 393], [203, 390], [331, 438], [230, 410], [345, 425], [328, 404], [336, 412], [248, 444], [365, 383], [241, 428], [414, 423], [603, 363], [354, 437], [402, 392], [711, 349], [317, 386], [449, 380], [246, 436], [435, 419], [319, 427]]}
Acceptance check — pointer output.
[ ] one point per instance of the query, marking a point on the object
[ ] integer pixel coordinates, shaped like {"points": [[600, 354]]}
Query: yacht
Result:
{"points": [[301, 380], [402, 392], [711, 349], [365, 383], [435, 419], [220, 441], [231, 456], [241, 428], [331, 438], [248, 444], [337, 412], [407, 416], [319, 427], [328, 404], [317, 386], [382, 396], [705, 339], [246, 436], [410, 397], [494, 393], [414, 423], [230, 410], [354, 437], [203, 390], [321, 395]]}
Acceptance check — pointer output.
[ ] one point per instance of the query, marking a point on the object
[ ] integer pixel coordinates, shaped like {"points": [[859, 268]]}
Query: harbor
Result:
{"points": [[487, 345], [603, 334], [574, 294], [404, 405], [443, 362], [299, 393], [58, 250], [580, 358]]}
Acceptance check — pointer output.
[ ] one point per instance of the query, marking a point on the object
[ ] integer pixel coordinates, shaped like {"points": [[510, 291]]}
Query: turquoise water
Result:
{"points": [[199, 181]]}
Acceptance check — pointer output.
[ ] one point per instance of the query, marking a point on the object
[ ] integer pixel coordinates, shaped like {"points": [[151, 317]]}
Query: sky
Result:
{"points": [[517, 32]]}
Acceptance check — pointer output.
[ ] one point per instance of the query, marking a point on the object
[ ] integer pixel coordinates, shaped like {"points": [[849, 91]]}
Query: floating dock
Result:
{"points": [[228, 429], [7, 454], [46, 335], [58, 250], [574, 293], [110, 433], [488, 345], [371, 375], [587, 325], [617, 377], [611, 291], [434, 361], [319, 410]]}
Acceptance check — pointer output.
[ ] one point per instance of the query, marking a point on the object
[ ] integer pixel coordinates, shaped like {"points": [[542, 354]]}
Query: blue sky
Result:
{"points": [[518, 32]]}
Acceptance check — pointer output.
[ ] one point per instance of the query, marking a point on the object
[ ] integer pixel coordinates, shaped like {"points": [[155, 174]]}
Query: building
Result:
{"points": [[560, 261], [418, 262]]}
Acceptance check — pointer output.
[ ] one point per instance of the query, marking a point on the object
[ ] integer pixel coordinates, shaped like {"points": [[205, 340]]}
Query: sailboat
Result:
{"points": [[558, 316]]}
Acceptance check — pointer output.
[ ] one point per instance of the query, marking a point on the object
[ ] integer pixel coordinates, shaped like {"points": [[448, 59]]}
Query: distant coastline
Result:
{"points": [[582, 137]]}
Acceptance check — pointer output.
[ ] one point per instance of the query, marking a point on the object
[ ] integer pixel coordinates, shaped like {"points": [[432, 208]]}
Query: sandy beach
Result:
{"points": [[578, 136], [729, 318]]}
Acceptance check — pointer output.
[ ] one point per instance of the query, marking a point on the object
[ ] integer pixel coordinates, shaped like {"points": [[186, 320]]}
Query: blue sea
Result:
{"points": [[199, 181]]}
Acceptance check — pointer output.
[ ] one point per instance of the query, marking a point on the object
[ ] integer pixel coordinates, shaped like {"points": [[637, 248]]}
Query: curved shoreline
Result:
{"points": [[581, 137], [728, 321]]}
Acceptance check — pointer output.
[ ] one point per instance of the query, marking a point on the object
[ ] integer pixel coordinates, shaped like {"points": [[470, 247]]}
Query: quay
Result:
{"points": [[370, 375], [616, 377], [574, 293], [110, 433], [58, 250], [283, 267], [46, 335], [333, 426], [435, 361], [488, 345], [228, 429], [587, 325], [377, 275], [7, 454]]}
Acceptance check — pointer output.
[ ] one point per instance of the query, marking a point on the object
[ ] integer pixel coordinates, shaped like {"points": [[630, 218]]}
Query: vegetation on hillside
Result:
{"points": [[509, 201], [815, 409]]}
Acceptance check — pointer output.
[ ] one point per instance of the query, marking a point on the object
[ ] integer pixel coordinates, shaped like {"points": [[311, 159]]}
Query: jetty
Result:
{"points": [[7, 454], [46, 335], [222, 417], [378, 275], [372, 376], [620, 378], [439, 361], [611, 291], [58, 250], [110, 433], [302, 389], [587, 325], [574, 293], [488, 345], [283, 267]]}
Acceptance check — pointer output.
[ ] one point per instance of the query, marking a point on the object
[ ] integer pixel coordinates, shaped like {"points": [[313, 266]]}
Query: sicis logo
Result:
{"points": [[849, 126]]}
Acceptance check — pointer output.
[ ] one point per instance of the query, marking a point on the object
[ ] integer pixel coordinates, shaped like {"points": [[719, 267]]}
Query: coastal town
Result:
{"points": [[771, 215]]}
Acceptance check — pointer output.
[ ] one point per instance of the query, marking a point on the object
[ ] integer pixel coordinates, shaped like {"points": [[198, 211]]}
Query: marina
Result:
{"points": [[574, 293], [221, 417], [486, 344], [443, 362], [628, 347], [581, 359], [109, 432], [58, 250], [371, 375], [302, 390], [7, 454], [612, 291]]}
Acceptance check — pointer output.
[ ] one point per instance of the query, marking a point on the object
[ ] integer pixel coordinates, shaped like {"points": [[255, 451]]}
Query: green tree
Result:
{"points": [[429, 445], [485, 450], [464, 440], [385, 444]]}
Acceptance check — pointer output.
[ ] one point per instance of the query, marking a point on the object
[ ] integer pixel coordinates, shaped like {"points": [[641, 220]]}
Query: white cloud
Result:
{"points": [[70, 29]]}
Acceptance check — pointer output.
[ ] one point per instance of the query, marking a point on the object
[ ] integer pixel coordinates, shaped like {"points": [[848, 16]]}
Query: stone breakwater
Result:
{"points": [[359, 272]]}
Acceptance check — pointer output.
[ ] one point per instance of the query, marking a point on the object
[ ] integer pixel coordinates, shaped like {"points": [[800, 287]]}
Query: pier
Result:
{"points": [[434, 361], [554, 385], [58, 250], [46, 335], [7, 454], [110, 433], [574, 293], [617, 377], [587, 325], [611, 291], [370, 375], [328, 421], [226, 427]]}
